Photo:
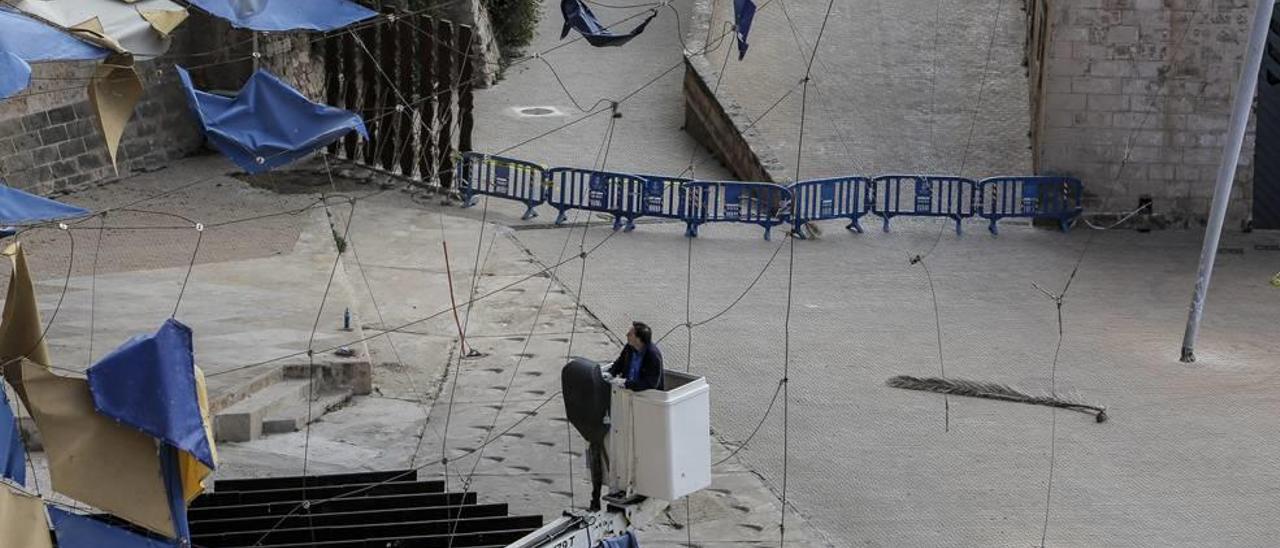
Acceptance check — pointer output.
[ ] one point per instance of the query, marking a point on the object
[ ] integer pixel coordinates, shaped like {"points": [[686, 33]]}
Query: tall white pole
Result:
{"points": [[1227, 170]]}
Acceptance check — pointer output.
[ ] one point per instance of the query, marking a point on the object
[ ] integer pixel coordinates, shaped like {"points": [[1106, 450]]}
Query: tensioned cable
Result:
{"points": [[1059, 298], [551, 282], [786, 325]]}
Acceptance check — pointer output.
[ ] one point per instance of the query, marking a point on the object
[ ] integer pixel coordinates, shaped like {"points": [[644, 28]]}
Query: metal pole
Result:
{"points": [[1227, 170]]}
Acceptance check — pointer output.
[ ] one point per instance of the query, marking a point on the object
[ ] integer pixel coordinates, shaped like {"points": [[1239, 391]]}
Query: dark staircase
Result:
{"points": [[383, 509]]}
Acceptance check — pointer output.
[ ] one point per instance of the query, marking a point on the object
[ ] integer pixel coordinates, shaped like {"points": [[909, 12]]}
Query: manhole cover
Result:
{"points": [[538, 111]]}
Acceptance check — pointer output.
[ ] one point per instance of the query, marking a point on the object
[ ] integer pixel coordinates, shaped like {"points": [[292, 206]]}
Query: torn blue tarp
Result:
{"points": [[579, 17], [15, 74], [149, 384], [12, 463], [33, 41], [24, 40], [20, 208], [268, 124], [80, 531], [744, 11], [280, 15]]}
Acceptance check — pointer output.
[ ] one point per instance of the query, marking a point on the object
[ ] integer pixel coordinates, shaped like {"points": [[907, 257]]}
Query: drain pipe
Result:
{"points": [[1241, 104]]}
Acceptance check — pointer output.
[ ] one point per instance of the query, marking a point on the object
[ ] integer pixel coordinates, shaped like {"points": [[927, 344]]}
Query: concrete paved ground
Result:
{"points": [[508, 394], [245, 309], [895, 86], [252, 295], [1187, 457]]}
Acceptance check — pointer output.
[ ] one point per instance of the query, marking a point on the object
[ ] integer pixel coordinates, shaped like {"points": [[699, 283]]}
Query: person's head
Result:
{"points": [[639, 336]]}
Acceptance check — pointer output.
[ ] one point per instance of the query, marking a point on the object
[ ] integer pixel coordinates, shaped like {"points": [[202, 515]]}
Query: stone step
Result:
{"points": [[242, 421], [293, 416], [228, 390]]}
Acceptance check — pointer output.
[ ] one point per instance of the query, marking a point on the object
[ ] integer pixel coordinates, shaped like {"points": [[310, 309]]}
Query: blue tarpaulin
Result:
{"points": [[744, 11], [20, 208], [280, 15], [579, 17], [33, 41], [149, 383], [268, 124], [15, 74], [80, 531], [25, 40], [12, 463]]}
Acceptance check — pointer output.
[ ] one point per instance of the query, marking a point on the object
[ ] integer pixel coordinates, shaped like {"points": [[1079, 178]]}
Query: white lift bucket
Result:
{"points": [[659, 441]]}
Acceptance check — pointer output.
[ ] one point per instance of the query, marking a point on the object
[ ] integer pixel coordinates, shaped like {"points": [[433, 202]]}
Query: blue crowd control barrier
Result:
{"points": [[834, 198], [923, 195], [1038, 197], [619, 194], [481, 174], [763, 204], [631, 196], [665, 197]]}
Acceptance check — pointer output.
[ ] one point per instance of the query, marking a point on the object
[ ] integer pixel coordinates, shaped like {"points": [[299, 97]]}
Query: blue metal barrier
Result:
{"points": [[481, 174], [629, 196], [665, 197], [835, 198], [762, 204], [619, 194], [923, 195], [1034, 197]]}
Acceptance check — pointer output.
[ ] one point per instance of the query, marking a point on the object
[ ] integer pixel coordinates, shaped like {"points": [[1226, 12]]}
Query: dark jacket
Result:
{"points": [[650, 368]]}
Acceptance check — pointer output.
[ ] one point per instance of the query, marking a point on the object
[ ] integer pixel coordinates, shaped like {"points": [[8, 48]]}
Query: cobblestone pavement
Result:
{"points": [[1187, 457], [892, 90]]}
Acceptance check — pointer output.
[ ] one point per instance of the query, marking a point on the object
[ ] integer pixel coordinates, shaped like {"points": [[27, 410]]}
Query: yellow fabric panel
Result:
{"points": [[92, 458], [20, 328], [22, 520], [193, 471]]}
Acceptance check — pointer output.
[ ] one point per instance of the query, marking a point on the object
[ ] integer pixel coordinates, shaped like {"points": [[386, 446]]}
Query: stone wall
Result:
{"points": [[49, 137], [1135, 100]]}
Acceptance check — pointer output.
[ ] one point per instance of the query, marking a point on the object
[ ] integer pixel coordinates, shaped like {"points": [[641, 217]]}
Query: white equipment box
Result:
{"points": [[660, 440]]}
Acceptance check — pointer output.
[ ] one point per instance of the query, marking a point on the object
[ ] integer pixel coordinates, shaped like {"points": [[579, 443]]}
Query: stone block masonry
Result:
{"points": [[1134, 99], [49, 137]]}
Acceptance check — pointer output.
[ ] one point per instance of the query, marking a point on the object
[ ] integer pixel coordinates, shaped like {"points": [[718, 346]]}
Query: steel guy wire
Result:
{"points": [[1061, 296], [195, 251], [786, 329]]}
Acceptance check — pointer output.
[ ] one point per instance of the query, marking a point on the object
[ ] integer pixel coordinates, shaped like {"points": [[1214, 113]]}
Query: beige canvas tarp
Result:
{"points": [[92, 458], [22, 520], [20, 328]]}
